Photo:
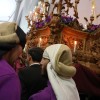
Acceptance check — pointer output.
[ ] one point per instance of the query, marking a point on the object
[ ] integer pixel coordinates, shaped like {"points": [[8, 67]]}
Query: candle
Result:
{"points": [[44, 8], [85, 26], [35, 17], [75, 44], [30, 15], [93, 7], [39, 44], [45, 0], [39, 3]]}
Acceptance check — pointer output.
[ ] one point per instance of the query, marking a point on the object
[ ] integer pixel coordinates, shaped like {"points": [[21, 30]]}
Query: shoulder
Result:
{"points": [[30, 69], [28, 72], [24, 70], [45, 94], [6, 69], [42, 95]]}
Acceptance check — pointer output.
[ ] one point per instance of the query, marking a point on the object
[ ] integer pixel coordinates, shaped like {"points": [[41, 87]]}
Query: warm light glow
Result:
{"points": [[85, 26], [40, 40], [75, 44], [93, 7]]}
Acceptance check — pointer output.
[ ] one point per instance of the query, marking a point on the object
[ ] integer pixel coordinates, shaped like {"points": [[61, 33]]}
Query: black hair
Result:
{"points": [[36, 53], [22, 36]]}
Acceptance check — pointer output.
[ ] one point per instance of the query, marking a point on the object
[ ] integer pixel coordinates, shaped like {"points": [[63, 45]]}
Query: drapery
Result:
{"points": [[23, 8], [18, 3], [87, 81]]}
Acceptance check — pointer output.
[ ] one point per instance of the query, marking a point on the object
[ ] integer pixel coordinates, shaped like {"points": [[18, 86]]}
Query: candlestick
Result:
{"points": [[75, 44], [93, 8]]}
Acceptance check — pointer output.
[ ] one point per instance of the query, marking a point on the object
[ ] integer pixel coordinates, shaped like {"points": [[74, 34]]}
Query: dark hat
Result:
{"points": [[36, 53], [10, 35]]}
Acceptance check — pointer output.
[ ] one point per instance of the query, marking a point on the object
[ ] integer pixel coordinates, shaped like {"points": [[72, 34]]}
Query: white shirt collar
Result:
{"points": [[34, 64]]}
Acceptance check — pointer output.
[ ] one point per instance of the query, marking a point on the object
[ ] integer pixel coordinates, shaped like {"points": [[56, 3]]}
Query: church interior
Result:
{"points": [[58, 22]]}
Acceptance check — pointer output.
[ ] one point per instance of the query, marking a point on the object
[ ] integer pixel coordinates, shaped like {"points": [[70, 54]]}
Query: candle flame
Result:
{"points": [[75, 42], [40, 39]]}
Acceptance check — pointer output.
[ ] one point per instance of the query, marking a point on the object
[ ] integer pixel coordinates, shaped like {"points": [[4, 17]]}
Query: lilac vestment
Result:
{"points": [[9, 82], [46, 94]]}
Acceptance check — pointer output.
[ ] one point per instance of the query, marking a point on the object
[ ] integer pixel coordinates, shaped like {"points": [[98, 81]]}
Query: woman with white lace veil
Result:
{"points": [[61, 86]]}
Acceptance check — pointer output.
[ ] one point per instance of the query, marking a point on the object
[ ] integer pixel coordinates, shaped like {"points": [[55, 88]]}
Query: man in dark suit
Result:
{"points": [[30, 77]]}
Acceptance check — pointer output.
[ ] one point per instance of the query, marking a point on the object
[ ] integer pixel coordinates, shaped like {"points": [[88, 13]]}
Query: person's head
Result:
{"points": [[60, 58], [35, 54], [12, 41]]}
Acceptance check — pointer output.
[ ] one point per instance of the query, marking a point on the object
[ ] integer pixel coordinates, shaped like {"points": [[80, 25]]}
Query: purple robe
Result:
{"points": [[9, 82], [46, 94]]}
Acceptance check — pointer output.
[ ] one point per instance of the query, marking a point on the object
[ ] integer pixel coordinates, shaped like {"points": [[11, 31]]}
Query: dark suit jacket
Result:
{"points": [[31, 81]]}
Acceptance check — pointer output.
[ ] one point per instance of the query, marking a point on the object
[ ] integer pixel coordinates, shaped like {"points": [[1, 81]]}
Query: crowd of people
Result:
{"points": [[43, 75]]}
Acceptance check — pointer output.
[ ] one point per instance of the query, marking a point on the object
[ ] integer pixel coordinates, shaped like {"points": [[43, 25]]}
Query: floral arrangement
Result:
{"points": [[91, 28], [71, 22], [43, 23], [67, 20]]}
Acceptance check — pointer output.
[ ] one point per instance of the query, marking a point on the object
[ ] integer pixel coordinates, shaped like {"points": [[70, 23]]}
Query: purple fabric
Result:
{"points": [[87, 81], [46, 94], [9, 82]]}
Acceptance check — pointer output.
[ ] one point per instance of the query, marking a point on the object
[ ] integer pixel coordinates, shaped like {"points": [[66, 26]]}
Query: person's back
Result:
{"points": [[45, 94], [12, 41], [31, 77], [57, 61], [9, 82]]}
